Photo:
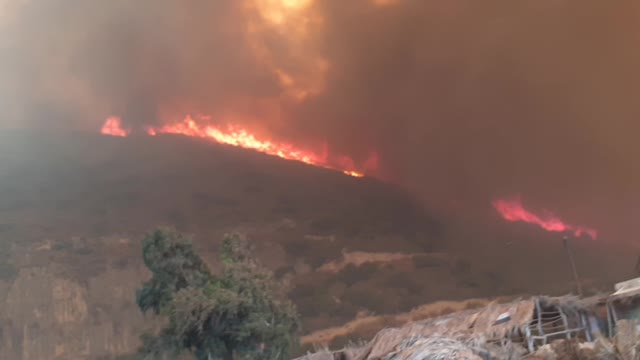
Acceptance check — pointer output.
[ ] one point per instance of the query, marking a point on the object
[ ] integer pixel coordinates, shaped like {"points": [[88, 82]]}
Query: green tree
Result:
{"points": [[241, 313]]}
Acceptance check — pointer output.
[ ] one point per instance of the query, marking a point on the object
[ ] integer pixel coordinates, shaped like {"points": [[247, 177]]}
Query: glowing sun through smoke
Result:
{"points": [[512, 210]]}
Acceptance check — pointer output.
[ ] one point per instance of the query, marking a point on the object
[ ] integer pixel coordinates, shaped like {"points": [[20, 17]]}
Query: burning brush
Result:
{"points": [[241, 137], [512, 210]]}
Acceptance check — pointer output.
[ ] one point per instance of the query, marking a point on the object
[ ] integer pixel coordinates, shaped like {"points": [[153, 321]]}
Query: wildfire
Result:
{"points": [[283, 36], [241, 137], [113, 127], [512, 210], [384, 2]]}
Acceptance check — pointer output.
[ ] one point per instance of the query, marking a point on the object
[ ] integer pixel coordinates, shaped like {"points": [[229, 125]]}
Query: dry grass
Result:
{"points": [[358, 258]]}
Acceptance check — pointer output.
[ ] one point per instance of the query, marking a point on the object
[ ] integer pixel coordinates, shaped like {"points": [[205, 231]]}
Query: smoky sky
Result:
{"points": [[463, 100]]}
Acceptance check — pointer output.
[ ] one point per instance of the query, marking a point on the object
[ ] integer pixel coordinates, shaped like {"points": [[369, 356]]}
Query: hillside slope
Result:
{"points": [[75, 207]]}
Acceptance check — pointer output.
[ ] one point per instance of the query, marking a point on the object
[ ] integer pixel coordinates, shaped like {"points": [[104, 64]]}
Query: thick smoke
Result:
{"points": [[82, 61], [470, 100], [464, 100]]}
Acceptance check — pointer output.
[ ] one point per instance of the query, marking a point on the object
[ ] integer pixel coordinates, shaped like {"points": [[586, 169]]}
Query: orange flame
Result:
{"points": [[241, 137], [113, 127], [512, 210]]}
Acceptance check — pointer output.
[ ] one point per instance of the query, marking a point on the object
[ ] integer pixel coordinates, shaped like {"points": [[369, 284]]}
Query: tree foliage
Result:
{"points": [[238, 313]]}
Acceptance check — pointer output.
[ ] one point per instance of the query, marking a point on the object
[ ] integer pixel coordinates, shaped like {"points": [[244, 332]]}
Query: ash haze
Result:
{"points": [[464, 101]]}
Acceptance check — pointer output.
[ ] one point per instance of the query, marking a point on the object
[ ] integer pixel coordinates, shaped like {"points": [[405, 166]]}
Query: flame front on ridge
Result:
{"points": [[241, 137], [512, 210]]}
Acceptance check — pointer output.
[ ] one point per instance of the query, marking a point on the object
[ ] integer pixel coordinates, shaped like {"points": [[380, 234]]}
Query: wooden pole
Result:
{"points": [[576, 278]]}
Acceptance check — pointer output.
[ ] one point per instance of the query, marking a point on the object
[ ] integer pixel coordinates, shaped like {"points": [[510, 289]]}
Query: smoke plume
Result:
{"points": [[463, 100]]}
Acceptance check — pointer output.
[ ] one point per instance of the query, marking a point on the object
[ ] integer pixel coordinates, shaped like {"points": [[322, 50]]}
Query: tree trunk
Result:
{"points": [[230, 355]]}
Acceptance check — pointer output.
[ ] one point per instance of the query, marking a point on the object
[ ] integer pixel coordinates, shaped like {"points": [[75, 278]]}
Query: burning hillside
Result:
{"points": [[433, 109], [458, 106], [344, 245], [512, 210], [243, 138]]}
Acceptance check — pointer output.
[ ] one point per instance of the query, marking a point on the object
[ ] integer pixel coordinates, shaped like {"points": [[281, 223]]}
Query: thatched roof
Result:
{"points": [[319, 355], [470, 327], [433, 348], [627, 288], [481, 322]]}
